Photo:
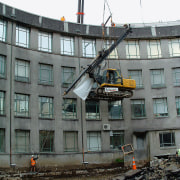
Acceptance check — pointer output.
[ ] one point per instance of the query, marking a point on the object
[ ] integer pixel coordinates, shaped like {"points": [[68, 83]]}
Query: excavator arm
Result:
{"points": [[103, 54]]}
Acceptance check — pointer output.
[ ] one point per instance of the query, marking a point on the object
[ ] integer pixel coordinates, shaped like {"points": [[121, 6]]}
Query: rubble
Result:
{"points": [[158, 169]]}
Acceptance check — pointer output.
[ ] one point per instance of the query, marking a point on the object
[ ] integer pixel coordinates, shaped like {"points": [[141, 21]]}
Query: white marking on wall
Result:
{"points": [[87, 29], [66, 29], [40, 19], [153, 31], [4, 9]]}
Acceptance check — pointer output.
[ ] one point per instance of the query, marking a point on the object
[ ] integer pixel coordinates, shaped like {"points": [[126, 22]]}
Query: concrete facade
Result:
{"points": [[148, 127]]}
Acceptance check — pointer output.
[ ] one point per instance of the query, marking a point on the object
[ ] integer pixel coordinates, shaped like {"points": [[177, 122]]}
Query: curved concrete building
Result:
{"points": [[39, 59]]}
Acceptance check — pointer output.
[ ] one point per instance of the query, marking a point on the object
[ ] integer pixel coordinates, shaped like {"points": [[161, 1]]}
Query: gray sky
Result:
{"points": [[123, 11]]}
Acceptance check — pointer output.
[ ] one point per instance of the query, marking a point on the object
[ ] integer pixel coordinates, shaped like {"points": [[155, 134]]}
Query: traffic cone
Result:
{"points": [[134, 164]]}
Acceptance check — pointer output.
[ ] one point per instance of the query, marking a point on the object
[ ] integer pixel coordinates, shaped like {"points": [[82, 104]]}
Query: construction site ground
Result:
{"points": [[160, 168]]}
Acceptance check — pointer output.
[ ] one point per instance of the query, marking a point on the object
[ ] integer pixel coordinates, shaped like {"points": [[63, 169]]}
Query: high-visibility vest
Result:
{"points": [[33, 162]]}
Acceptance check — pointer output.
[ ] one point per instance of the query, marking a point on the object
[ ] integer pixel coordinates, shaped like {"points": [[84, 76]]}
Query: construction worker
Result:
{"points": [[33, 163], [63, 18]]}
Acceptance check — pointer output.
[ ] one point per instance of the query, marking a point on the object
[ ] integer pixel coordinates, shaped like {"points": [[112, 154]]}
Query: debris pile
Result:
{"points": [[159, 169]]}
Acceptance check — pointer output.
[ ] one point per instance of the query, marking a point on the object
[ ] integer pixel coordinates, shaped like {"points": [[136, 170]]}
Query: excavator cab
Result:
{"points": [[111, 76]]}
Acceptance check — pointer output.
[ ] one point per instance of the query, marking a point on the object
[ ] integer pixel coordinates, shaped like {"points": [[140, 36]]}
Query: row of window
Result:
{"points": [[22, 73], [70, 141], [69, 107], [67, 44]]}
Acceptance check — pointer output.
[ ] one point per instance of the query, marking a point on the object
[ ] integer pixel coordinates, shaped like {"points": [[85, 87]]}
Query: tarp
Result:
{"points": [[84, 86]]}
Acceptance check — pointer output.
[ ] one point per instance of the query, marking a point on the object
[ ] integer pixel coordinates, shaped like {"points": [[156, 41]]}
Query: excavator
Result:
{"points": [[110, 83]]}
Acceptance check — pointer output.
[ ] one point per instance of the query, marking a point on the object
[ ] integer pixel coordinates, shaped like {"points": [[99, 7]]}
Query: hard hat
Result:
{"points": [[32, 155]]}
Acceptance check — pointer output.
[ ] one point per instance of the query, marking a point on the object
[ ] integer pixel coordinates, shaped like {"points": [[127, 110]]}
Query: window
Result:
{"points": [[45, 42], [2, 140], [132, 49], [178, 105], [137, 76], [68, 76], [2, 66], [46, 141], [21, 105], [22, 71], [115, 110], [70, 141], [67, 45], [92, 110], [3, 28], [167, 139], [22, 36], [138, 108], [69, 109], [45, 107], [154, 49], [176, 76], [94, 141], [174, 47], [116, 139], [22, 141], [89, 49], [157, 78], [113, 54], [45, 74], [2, 103], [160, 107]]}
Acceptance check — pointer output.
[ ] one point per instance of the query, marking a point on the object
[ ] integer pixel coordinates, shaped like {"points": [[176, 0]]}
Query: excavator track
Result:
{"points": [[100, 94]]}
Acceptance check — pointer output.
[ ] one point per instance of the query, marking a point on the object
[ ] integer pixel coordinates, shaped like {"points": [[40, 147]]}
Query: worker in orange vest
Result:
{"points": [[63, 18], [33, 163]]}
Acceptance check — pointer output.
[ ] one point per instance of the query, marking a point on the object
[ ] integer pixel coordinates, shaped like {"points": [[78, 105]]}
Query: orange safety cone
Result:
{"points": [[134, 164]]}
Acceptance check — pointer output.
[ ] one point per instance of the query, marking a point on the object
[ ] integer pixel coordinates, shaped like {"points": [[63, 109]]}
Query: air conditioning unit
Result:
{"points": [[106, 127]]}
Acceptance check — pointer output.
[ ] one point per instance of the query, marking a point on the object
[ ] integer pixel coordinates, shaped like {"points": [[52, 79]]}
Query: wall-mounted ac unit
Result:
{"points": [[106, 127]]}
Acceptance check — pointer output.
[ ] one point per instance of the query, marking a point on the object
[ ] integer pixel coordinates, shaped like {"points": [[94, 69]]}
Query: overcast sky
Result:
{"points": [[123, 11]]}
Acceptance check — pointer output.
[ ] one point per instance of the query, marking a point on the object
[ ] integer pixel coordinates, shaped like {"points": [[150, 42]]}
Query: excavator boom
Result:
{"points": [[99, 59]]}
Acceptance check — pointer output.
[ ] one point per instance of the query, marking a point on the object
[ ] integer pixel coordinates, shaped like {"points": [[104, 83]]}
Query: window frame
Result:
{"points": [[45, 135], [2, 140], [26, 135], [114, 53], [48, 78], [45, 41], [22, 31], [142, 108], [67, 45], [92, 48], [73, 147], [70, 71], [119, 106], [90, 145], [73, 114], [50, 113], [19, 64], [2, 66], [172, 143], [177, 98], [173, 50], [113, 139], [133, 50], [156, 105], [176, 79], [3, 33], [92, 115], [2, 103], [155, 76], [17, 99], [154, 45]]}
